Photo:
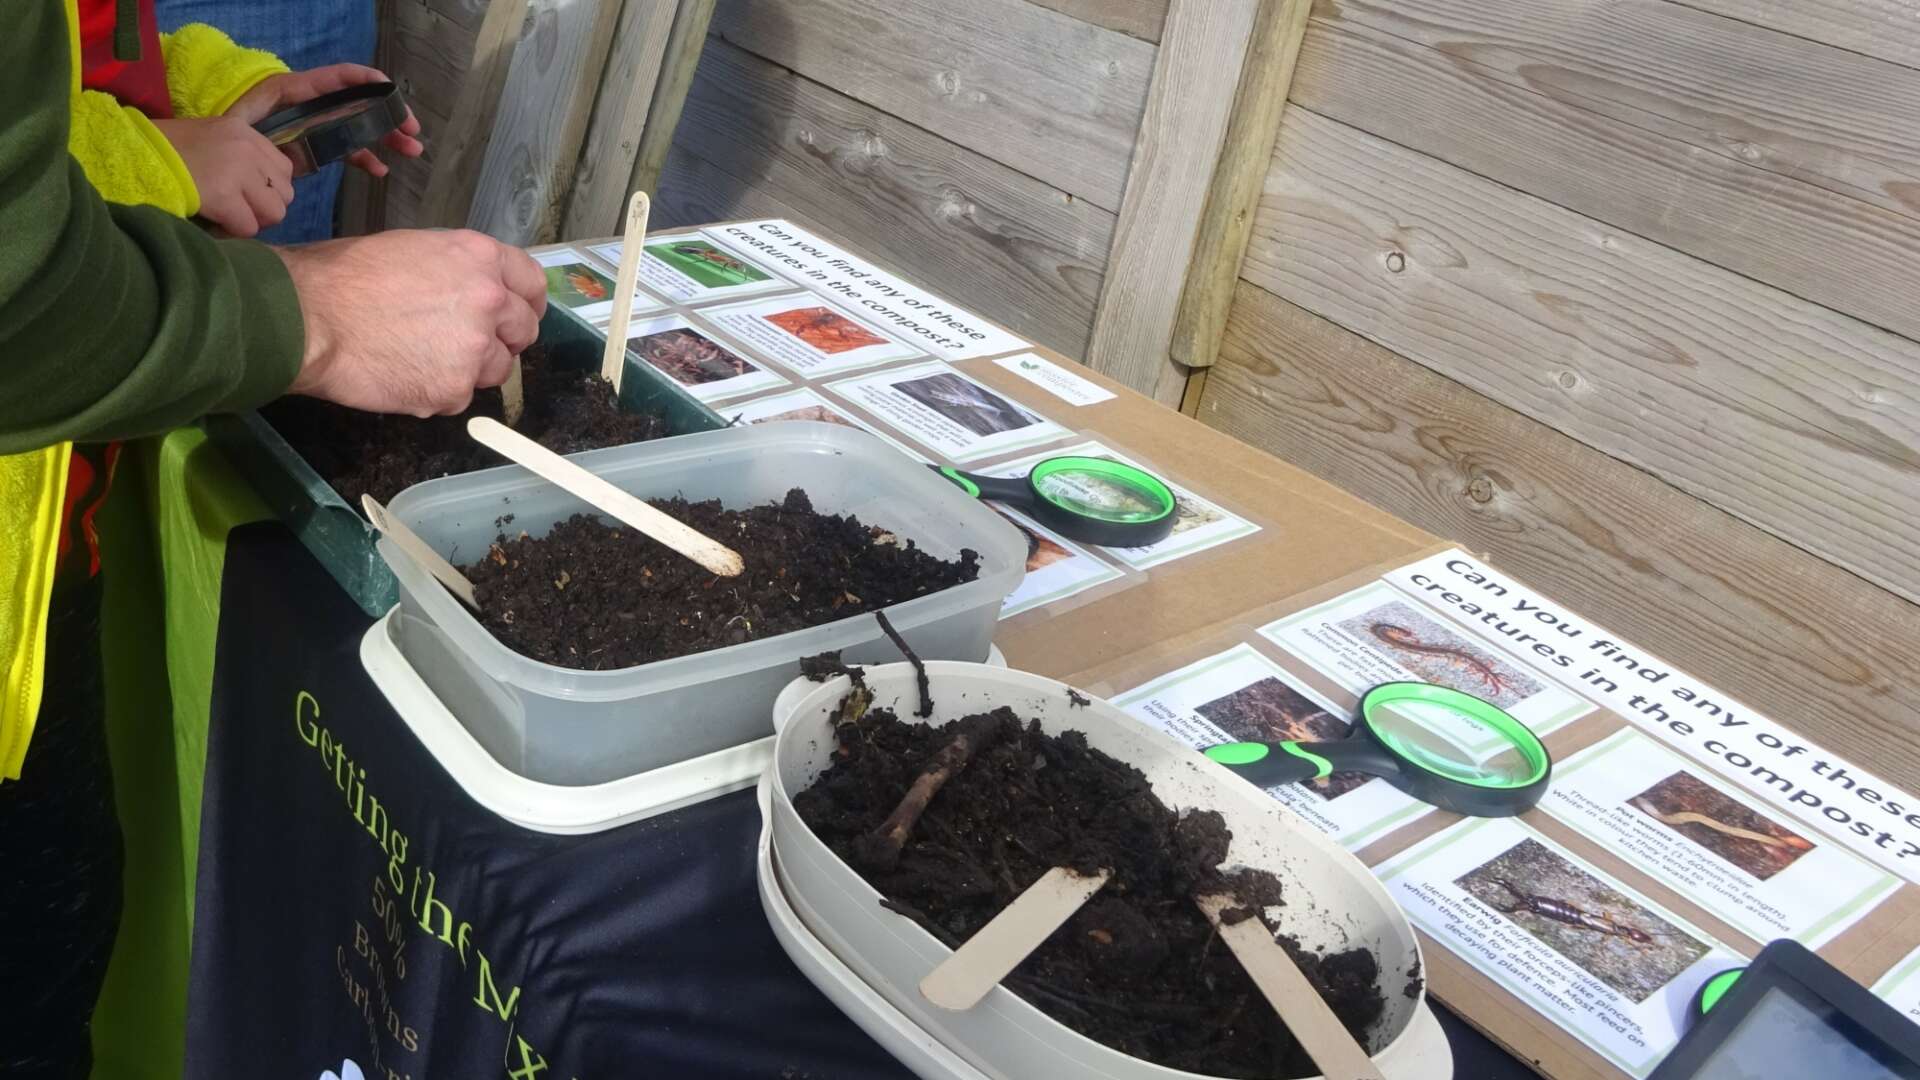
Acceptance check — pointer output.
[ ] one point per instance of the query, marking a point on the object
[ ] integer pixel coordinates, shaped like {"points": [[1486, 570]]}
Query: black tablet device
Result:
{"points": [[1791, 1014]]}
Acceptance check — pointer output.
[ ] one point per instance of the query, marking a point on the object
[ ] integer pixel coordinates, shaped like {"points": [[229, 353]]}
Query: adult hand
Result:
{"points": [[245, 182], [276, 92], [413, 321]]}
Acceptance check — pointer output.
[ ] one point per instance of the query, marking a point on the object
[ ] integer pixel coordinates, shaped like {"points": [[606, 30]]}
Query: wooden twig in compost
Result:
{"points": [[919, 666], [879, 850]]}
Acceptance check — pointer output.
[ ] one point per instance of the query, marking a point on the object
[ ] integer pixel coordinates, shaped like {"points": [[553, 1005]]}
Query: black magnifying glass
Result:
{"points": [[331, 126], [1437, 744], [1089, 499]]}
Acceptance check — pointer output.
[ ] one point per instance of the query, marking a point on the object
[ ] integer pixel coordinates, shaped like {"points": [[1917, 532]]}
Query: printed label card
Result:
{"points": [[1610, 966], [1072, 388], [1241, 696], [806, 334], [1056, 566], [1703, 838], [577, 284], [692, 269], [804, 404], [948, 412], [1201, 523], [706, 365], [1377, 634]]}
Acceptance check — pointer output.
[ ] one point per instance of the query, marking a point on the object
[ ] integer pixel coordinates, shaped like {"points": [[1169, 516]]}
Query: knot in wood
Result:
{"points": [[1480, 489], [1396, 262]]}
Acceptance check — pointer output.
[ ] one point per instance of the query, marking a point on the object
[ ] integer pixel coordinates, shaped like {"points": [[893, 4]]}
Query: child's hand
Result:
{"points": [[276, 92], [245, 181]]}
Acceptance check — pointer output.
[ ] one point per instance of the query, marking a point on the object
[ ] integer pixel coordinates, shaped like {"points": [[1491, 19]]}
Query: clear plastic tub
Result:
{"points": [[561, 726]]}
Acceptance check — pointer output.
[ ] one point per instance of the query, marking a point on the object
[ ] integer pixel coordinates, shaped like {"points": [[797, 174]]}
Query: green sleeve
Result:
{"points": [[115, 321]]}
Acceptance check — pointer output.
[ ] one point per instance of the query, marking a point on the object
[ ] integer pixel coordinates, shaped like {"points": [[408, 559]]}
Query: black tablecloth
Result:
{"points": [[355, 906]]}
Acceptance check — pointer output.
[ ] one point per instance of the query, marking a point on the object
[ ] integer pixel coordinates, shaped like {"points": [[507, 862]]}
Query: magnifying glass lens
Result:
{"points": [[1466, 741], [1103, 490]]}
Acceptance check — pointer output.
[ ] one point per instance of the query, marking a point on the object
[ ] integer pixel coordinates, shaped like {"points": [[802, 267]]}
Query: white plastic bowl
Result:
{"points": [[1333, 902]]}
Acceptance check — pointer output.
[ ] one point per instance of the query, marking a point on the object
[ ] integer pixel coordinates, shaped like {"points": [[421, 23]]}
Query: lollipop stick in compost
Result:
{"points": [[992, 953], [513, 396], [1300, 1006], [417, 550], [715, 556], [613, 362]]}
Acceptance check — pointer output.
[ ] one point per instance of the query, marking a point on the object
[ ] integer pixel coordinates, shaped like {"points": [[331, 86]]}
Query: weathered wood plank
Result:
{"points": [[1796, 637], [1140, 18], [1049, 95], [1245, 157], [620, 118], [1776, 103], [1781, 412], [1888, 29], [999, 242], [542, 120], [1838, 251], [685, 42], [459, 151], [428, 55], [1194, 84], [406, 193]]}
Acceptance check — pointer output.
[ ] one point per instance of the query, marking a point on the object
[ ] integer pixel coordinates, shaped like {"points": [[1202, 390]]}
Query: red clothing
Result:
{"points": [[140, 84]]}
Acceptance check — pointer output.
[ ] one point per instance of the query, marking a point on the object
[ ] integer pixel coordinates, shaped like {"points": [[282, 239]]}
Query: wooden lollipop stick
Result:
{"points": [[513, 396], [992, 953], [530, 455], [1300, 1006], [416, 549], [613, 362]]}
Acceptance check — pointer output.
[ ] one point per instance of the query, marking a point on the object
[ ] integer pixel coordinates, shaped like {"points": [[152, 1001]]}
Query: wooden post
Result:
{"points": [[622, 114], [1238, 179], [461, 148], [1195, 79], [685, 42]]}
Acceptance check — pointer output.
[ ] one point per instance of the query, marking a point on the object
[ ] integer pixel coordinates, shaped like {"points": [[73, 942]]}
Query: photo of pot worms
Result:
{"points": [[1687, 805], [1440, 656], [1598, 928], [1272, 711]]}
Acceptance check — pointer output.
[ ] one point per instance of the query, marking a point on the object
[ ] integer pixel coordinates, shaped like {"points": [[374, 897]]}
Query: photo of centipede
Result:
{"points": [[690, 358], [1272, 711], [1438, 655], [1728, 828], [707, 264], [1597, 927], [825, 329]]}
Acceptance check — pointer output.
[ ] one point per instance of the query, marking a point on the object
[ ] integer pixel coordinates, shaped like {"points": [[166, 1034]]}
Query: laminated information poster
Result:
{"points": [[706, 364], [948, 412], [1241, 696], [1056, 566], [808, 335], [1378, 634], [894, 304], [575, 283], [1703, 838], [1900, 987], [1607, 964], [692, 269], [1202, 524], [804, 404]]}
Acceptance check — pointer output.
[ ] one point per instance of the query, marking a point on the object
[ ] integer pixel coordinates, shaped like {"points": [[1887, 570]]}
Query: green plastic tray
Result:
{"points": [[336, 533]]}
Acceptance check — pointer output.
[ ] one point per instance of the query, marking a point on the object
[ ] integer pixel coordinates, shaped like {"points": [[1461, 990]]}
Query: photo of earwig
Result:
{"points": [[1600, 929]]}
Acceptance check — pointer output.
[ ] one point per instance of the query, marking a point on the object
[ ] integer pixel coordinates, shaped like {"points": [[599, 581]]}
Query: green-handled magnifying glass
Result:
{"points": [[1437, 744], [1089, 499]]}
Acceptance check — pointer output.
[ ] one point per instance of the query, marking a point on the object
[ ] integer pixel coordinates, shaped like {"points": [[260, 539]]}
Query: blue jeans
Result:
{"points": [[305, 34]]}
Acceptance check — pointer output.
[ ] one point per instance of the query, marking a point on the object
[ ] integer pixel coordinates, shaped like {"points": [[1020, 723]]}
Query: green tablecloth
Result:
{"points": [[163, 535]]}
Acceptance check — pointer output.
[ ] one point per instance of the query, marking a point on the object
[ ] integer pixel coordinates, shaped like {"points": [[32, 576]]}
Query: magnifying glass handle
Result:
{"points": [[1265, 764], [1014, 491]]}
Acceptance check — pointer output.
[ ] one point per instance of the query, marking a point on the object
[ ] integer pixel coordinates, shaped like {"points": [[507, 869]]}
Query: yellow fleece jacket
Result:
{"points": [[129, 162], [124, 154]]}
